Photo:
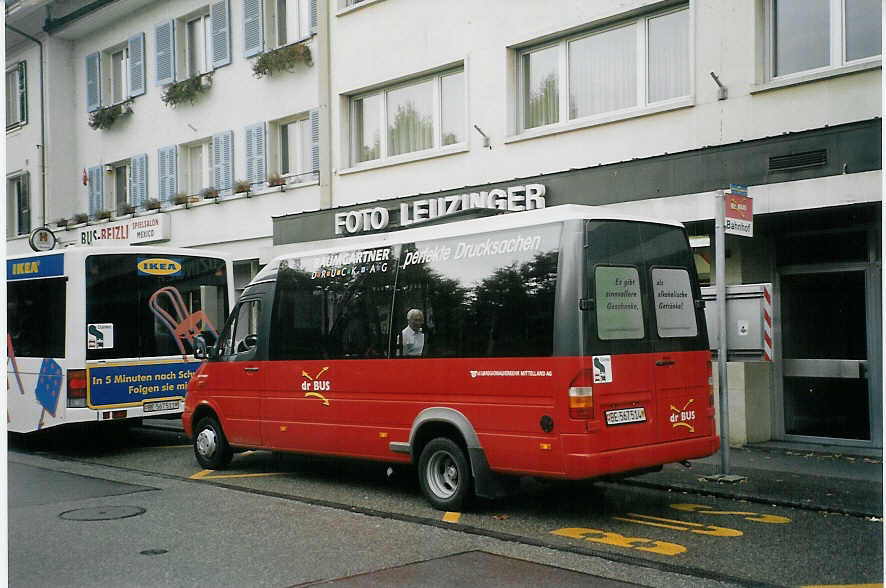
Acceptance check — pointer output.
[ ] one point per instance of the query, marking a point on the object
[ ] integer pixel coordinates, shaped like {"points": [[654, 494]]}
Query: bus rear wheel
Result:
{"points": [[210, 446], [444, 474]]}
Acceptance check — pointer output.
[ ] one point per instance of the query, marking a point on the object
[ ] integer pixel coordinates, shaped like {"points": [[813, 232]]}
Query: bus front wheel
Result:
{"points": [[444, 474], [210, 446]]}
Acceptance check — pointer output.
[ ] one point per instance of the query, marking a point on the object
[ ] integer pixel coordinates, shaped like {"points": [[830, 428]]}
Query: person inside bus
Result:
{"points": [[412, 339]]}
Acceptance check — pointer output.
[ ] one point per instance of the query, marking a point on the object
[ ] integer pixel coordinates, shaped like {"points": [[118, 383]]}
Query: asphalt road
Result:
{"points": [[270, 521]]}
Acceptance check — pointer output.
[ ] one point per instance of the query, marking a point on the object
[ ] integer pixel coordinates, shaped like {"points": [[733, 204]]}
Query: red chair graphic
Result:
{"points": [[183, 325]]}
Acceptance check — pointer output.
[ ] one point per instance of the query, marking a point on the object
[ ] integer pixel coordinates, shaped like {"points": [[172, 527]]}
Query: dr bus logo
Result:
{"points": [[682, 417]]}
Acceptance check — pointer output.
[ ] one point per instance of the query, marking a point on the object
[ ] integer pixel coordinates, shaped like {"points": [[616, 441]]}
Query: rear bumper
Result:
{"points": [[592, 465]]}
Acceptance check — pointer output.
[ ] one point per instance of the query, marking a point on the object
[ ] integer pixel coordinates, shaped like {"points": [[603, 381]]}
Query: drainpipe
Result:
{"points": [[42, 126]]}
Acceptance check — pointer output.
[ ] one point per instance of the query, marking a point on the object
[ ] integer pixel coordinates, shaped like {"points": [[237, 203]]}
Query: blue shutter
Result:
{"points": [[137, 65], [95, 179], [164, 52], [93, 82], [220, 23], [138, 179], [167, 172], [315, 142], [255, 153], [253, 28], [223, 161], [314, 17]]}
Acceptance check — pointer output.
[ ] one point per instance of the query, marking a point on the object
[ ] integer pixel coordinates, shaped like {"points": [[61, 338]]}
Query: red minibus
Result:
{"points": [[566, 342]]}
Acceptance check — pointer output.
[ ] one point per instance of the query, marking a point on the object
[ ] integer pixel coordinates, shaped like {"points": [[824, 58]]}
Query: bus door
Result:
{"points": [[238, 379], [650, 357]]}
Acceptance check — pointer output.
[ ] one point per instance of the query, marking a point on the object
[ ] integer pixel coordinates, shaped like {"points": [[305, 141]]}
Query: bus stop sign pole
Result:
{"points": [[722, 351]]}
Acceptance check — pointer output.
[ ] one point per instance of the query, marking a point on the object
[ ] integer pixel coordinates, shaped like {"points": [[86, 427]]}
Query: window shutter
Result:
{"points": [[221, 33], [95, 179], [167, 172], [223, 160], [315, 142], [138, 179], [164, 47], [314, 17], [137, 65], [253, 28], [255, 153], [93, 82]]}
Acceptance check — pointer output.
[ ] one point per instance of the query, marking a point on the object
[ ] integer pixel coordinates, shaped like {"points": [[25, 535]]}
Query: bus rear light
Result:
{"points": [[76, 388], [581, 402]]}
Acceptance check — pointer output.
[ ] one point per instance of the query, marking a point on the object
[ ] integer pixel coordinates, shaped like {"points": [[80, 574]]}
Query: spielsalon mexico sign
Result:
{"points": [[508, 199], [134, 231]]}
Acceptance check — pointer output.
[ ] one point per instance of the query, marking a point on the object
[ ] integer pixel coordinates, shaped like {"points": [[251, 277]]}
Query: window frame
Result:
{"points": [[182, 36], [837, 47], [185, 171], [643, 105], [436, 147], [109, 84], [273, 23], [18, 189], [20, 69]]}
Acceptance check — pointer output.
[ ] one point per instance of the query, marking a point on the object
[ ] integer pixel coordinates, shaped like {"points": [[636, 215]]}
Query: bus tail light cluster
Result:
{"points": [[76, 388], [581, 396]]}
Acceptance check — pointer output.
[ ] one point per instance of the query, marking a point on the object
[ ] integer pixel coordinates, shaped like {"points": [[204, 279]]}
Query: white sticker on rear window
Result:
{"points": [[674, 307]]}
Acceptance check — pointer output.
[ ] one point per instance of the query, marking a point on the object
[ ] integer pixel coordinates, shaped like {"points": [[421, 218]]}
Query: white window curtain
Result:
{"points": [[603, 72], [668, 61], [411, 118], [541, 83]]}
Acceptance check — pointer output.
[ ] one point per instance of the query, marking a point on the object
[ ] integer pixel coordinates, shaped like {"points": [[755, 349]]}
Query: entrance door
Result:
{"points": [[825, 383]]}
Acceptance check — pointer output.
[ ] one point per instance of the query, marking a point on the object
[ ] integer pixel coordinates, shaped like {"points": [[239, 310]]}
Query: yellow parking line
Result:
{"points": [[451, 517], [205, 475]]}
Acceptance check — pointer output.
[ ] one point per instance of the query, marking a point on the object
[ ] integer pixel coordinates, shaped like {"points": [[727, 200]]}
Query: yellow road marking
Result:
{"points": [[639, 543], [750, 516], [205, 475], [680, 525], [452, 517]]}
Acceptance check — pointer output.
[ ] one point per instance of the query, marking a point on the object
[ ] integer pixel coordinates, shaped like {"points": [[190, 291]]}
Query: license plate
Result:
{"points": [[162, 405], [625, 415]]}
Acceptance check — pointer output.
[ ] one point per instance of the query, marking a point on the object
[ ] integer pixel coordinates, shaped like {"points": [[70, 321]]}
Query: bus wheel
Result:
{"points": [[210, 446], [444, 474]]}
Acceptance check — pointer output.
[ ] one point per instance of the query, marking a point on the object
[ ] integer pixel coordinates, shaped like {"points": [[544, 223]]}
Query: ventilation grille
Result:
{"points": [[798, 160]]}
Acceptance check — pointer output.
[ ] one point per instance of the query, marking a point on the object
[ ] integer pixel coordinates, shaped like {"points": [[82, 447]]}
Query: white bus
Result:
{"points": [[106, 334]]}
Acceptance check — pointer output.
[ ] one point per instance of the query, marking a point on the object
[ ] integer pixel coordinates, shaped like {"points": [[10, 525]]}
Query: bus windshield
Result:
{"points": [[139, 306]]}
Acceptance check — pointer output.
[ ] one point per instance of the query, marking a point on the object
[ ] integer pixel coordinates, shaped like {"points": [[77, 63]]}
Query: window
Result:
{"points": [[115, 74], [292, 20], [196, 165], [28, 304], [147, 311], [674, 305], [120, 173], [193, 44], [619, 303], [294, 147], [18, 201], [197, 44], [239, 336], [416, 116], [630, 65], [16, 95], [809, 35], [118, 62]]}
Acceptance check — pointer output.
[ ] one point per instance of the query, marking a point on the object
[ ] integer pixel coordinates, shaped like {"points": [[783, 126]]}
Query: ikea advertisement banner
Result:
{"points": [[127, 385]]}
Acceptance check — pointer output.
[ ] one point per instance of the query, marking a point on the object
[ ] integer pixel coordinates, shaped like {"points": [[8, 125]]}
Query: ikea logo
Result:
{"points": [[26, 268], [157, 266]]}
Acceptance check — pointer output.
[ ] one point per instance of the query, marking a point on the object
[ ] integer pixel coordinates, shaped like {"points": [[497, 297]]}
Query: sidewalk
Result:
{"points": [[814, 477], [824, 478]]}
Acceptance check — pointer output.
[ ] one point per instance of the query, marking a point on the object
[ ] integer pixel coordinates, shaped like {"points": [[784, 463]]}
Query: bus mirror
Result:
{"points": [[201, 350]]}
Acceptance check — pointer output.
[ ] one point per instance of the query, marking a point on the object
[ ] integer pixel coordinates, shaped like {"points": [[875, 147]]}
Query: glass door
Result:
{"points": [[825, 364]]}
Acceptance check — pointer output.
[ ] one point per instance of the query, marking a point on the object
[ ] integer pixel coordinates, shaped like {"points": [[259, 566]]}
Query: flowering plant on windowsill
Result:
{"points": [[187, 90], [80, 218], [275, 180], [283, 59], [104, 118]]}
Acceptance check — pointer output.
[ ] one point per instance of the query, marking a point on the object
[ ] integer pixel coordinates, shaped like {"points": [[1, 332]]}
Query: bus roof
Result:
{"points": [[436, 230], [82, 252]]}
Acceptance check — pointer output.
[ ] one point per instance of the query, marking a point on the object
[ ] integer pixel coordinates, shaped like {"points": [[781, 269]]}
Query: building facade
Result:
{"points": [[395, 106]]}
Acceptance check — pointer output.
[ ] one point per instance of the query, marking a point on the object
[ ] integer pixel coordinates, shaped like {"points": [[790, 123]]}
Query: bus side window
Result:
{"points": [[239, 338]]}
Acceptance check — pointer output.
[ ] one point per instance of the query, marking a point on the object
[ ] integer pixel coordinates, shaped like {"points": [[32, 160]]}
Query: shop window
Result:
{"points": [[16, 96], [18, 201], [415, 116], [812, 35], [621, 68]]}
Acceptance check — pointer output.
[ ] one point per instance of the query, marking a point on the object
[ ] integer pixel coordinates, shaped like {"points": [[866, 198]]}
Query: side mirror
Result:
{"points": [[201, 350]]}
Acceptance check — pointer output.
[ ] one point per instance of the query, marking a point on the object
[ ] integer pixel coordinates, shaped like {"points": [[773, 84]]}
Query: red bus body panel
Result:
{"points": [[357, 408]]}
